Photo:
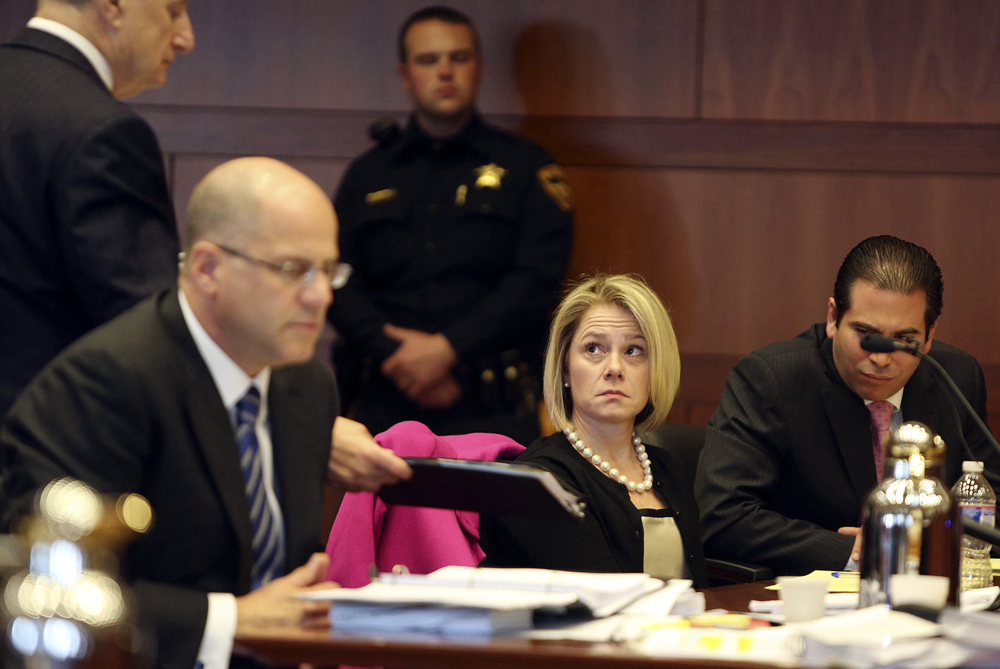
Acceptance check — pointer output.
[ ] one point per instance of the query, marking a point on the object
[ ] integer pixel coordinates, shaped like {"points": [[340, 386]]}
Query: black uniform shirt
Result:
{"points": [[468, 236]]}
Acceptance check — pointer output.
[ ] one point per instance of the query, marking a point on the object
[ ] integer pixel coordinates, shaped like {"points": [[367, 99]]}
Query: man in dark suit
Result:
{"points": [[86, 224], [790, 454], [168, 399]]}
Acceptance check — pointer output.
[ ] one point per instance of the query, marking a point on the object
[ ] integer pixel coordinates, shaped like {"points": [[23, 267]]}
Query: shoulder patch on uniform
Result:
{"points": [[381, 195], [553, 180]]}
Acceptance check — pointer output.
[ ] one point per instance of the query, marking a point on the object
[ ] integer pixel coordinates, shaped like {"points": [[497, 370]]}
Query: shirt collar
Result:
{"points": [[231, 381], [82, 44], [896, 400]]}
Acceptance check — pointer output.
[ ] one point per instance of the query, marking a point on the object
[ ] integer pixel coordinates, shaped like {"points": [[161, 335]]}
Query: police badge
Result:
{"points": [[489, 176]]}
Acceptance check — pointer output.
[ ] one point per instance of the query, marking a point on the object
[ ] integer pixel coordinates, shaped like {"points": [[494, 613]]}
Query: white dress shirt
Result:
{"points": [[232, 384], [896, 401]]}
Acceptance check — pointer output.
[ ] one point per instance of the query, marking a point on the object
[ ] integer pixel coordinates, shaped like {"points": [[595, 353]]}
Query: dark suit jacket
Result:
{"points": [[610, 538], [788, 456], [86, 223], [132, 407]]}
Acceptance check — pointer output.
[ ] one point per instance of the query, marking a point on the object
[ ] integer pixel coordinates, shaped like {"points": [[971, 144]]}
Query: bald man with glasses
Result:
{"points": [[206, 399]]}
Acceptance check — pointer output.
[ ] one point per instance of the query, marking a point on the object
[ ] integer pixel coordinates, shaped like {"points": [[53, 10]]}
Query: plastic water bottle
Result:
{"points": [[977, 501]]}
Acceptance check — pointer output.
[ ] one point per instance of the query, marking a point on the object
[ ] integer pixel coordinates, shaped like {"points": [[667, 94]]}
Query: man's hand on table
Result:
{"points": [[275, 604]]}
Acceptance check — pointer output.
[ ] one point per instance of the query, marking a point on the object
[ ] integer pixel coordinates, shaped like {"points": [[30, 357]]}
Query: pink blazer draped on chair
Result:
{"points": [[368, 531]]}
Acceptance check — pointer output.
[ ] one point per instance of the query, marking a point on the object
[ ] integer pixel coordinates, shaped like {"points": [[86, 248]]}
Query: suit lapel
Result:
{"points": [[211, 432], [920, 403], [292, 469], [851, 426]]}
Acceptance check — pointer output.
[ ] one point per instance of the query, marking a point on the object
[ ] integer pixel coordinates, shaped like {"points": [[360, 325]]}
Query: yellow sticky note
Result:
{"points": [[840, 581], [733, 621]]}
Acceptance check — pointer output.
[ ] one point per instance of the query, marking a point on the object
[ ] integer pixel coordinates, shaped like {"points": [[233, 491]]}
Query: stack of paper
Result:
{"points": [[602, 594], [978, 629], [878, 637], [978, 599], [469, 600], [443, 610], [663, 607]]}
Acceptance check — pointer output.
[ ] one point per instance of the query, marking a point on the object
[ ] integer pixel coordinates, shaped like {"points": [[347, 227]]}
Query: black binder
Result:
{"points": [[494, 488]]}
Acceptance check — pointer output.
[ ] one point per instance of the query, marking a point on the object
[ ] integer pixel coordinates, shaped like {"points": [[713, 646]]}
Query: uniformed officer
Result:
{"points": [[459, 234]]}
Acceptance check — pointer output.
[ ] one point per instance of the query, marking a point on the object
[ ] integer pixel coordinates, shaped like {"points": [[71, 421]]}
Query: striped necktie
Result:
{"points": [[881, 413], [268, 553]]}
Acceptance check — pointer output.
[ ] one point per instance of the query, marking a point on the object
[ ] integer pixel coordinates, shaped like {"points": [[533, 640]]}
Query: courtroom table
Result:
{"points": [[324, 648]]}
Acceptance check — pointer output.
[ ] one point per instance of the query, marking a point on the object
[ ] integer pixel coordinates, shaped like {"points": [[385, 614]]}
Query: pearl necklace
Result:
{"points": [[612, 472]]}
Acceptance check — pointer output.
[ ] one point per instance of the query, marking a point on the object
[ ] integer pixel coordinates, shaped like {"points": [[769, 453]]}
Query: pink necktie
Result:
{"points": [[881, 415]]}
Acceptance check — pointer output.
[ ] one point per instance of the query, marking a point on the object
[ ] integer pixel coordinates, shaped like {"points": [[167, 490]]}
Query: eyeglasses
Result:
{"points": [[300, 271]]}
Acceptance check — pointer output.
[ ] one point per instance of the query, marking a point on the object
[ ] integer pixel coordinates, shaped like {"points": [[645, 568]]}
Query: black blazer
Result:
{"points": [[132, 407], [610, 539], [86, 223], [788, 455]]}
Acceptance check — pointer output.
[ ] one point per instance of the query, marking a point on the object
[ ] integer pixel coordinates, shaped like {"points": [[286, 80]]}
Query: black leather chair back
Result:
{"points": [[685, 443], [682, 440]]}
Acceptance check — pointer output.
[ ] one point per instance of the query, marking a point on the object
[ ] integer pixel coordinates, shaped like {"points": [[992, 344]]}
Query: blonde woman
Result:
{"points": [[611, 368]]}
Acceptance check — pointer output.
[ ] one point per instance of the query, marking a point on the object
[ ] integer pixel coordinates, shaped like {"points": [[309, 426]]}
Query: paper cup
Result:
{"points": [[919, 589], [803, 598]]}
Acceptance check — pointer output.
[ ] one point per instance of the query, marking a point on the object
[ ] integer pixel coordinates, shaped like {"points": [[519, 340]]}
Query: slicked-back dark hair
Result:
{"points": [[434, 12], [890, 263]]}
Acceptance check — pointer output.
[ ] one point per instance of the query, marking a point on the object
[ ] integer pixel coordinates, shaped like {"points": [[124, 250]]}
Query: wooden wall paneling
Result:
{"points": [[746, 258], [877, 60], [613, 142], [821, 123], [566, 57], [595, 58], [188, 170], [296, 54], [260, 131], [703, 378], [856, 147], [13, 15], [701, 412], [956, 219], [627, 221]]}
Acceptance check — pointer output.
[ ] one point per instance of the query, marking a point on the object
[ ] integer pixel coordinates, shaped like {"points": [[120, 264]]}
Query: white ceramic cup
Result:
{"points": [[919, 589], [803, 598]]}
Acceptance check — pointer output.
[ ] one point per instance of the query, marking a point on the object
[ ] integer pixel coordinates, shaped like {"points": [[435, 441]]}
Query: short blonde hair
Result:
{"points": [[632, 294]]}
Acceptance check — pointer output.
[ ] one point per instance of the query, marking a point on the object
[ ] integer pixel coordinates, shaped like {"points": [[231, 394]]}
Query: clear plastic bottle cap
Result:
{"points": [[972, 466]]}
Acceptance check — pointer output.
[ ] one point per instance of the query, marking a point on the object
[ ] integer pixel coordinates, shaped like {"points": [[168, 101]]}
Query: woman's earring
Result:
{"points": [[565, 384]]}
